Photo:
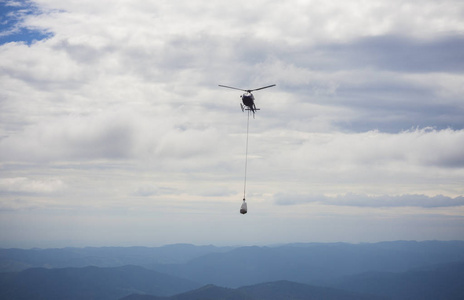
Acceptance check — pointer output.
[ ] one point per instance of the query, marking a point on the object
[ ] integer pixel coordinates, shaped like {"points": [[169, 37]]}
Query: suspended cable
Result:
{"points": [[243, 208], [246, 156]]}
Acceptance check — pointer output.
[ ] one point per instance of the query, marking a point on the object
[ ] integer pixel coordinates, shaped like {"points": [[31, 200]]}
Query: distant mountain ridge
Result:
{"points": [[311, 263], [12, 259], [89, 283], [179, 270], [136, 283], [280, 290], [444, 281]]}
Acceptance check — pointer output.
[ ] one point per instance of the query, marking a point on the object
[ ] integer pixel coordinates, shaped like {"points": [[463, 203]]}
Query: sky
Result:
{"points": [[114, 131]]}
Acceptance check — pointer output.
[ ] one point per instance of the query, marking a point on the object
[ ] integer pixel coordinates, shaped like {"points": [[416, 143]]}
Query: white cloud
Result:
{"points": [[372, 201], [24, 185], [417, 148], [119, 135]]}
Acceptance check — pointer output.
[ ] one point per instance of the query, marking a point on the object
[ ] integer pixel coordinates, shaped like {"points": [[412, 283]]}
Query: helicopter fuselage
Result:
{"points": [[248, 100]]}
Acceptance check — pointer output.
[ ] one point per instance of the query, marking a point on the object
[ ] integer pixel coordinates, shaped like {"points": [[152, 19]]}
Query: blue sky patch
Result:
{"points": [[12, 14]]}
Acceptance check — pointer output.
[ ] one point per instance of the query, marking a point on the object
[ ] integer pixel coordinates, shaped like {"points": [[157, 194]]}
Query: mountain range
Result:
{"points": [[21, 259], [279, 290], [89, 283], [314, 264], [387, 270]]}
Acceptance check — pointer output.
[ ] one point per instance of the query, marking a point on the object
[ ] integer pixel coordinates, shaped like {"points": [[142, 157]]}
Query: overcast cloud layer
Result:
{"points": [[114, 130]]}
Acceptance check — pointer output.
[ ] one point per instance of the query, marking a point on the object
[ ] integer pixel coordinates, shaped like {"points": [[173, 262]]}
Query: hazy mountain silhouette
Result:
{"points": [[434, 283], [207, 292], [311, 263], [89, 283], [12, 260], [399, 270], [281, 290], [444, 282]]}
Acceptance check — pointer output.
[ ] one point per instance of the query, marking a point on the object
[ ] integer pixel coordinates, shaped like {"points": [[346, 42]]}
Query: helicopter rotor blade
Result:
{"points": [[264, 87], [229, 87]]}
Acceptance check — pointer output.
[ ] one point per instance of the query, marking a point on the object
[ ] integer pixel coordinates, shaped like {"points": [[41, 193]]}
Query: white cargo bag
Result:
{"points": [[243, 208]]}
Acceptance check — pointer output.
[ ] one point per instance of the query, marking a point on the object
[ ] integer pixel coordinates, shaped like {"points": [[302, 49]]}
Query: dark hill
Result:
{"points": [[89, 283], [444, 282], [204, 293], [281, 290], [212, 292]]}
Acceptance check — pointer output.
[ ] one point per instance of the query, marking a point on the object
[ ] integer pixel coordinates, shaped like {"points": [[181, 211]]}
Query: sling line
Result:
{"points": [[246, 156]]}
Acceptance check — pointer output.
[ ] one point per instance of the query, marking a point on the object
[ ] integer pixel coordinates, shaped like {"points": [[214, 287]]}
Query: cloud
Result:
{"points": [[110, 135], [389, 52], [403, 54], [422, 148], [358, 200], [71, 138], [18, 205], [389, 83], [25, 185], [149, 190]]}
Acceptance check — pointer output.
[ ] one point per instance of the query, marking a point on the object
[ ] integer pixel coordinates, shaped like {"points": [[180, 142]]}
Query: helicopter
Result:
{"points": [[248, 99]]}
